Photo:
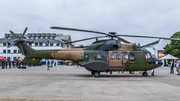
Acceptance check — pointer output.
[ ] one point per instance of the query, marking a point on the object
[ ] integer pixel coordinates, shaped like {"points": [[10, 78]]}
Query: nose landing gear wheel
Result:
{"points": [[144, 74], [96, 74]]}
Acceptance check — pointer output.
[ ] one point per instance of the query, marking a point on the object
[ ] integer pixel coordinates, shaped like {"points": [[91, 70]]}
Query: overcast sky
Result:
{"points": [[133, 17]]}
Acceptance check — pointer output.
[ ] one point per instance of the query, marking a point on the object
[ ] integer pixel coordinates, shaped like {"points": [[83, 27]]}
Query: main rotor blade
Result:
{"points": [[22, 51], [11, 44], [73, 29], [85, 39], [123, 40], [13, 33], [24, 32], [149, 37]]}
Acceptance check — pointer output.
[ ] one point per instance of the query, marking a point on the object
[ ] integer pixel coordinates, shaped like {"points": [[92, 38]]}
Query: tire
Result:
{"points": [[96, 74], [145, 74]]}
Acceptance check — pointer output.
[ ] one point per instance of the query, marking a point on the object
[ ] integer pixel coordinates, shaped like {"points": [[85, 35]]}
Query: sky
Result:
{"points": [[159, 18]]}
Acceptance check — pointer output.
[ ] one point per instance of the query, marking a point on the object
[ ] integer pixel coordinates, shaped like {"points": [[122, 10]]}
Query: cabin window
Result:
{"points": [[99, 56], [125, 56], [112, 56], [86, 56], [131, 57], [118, 56], [9, 44]]}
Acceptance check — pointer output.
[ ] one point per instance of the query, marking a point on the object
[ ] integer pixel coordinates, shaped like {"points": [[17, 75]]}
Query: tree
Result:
{"points": [[174, 47]]}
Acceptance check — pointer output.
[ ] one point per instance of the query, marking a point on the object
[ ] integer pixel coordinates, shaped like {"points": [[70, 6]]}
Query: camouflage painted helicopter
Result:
{"points": [[101, 56]]}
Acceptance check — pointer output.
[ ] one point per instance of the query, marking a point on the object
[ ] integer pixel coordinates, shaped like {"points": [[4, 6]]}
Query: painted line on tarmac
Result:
{"points": [[33, 100]]}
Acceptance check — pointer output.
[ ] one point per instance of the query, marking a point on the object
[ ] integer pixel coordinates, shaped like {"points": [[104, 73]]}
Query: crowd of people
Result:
{"points": [[11, 64], [174, 64]]}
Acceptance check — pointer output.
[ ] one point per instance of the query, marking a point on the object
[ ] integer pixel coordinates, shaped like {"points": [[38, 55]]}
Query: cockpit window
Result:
{"points": [[147, 55], [147, 58]]}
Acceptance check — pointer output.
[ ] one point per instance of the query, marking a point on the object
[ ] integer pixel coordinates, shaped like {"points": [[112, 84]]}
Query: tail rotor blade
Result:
{"points": [[22, 51], [24, 32], [13, 33]]}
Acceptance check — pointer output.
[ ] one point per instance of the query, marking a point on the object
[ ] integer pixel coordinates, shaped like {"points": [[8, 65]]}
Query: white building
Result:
{"points": [[157, 47], [43, 41]]}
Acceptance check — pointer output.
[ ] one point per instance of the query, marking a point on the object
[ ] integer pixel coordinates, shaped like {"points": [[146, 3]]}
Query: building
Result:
{"points": [[44, 41], [157, 47]]}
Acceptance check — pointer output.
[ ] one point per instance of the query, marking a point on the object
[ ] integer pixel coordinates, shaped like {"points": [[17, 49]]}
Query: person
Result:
{"points": [[48, 64], [172, 67], [13, 63], [52, 63], [9, 64], [177, 67], [5, 63], [16, 63], [2, 64]]}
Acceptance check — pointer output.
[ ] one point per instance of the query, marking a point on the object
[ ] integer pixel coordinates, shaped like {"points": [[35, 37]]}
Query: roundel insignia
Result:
{"points": [[81, 57]]}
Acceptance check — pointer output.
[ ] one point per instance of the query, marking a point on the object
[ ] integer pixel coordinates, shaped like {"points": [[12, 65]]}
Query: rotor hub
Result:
{"points": [[112, 34]]}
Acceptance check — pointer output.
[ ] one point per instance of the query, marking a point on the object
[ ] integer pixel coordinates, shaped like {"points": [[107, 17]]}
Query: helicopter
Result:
{"points": [[101, 56]]}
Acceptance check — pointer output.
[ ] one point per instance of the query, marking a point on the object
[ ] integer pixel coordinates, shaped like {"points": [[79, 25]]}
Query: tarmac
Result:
{"points": [[76, 83]]}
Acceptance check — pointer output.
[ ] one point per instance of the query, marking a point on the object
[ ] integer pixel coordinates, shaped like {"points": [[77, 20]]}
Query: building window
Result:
{"points": [[19, 51], [57, 44], [4, 44], [47, 44], [4, 51], [36, 44], [30, 44], [14, 58], [112, 56], [8, 51], [61, 44], [9, 44], [51, 44], [15, 51], [40, 44], [118, 56], [8, 58]]}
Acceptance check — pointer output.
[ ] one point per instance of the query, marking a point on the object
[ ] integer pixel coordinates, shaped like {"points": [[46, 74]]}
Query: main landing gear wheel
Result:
{"points": [[144, 74], [96, 74]]}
